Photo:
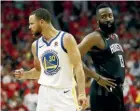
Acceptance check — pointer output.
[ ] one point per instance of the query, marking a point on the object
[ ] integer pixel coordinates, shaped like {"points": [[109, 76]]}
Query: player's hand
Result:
{"points": [[82, 100], [19, 73], [105, 82]]}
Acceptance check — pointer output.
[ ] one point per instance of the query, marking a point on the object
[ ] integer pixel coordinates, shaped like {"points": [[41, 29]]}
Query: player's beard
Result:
{"points": [[108, 27], [36, 34]]}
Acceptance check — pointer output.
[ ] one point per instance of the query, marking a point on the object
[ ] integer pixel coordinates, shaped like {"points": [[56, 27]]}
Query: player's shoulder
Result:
{"points": [[95, 35], [33, 47], [69, 40], [36, 42], [68, 36]]}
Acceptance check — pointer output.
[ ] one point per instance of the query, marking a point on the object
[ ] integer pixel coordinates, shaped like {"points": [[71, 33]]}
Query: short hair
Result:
{"points": [[42, 13], [104, 5]]}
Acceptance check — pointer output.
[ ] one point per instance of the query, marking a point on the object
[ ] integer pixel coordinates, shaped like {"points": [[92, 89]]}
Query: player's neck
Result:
{"points": [[49, 32]]}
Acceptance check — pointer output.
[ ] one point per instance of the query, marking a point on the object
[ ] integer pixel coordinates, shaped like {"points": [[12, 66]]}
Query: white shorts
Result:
{"points": [[54, 99]]}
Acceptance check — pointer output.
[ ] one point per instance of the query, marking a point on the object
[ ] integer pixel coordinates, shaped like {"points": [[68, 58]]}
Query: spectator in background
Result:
{"points": [[138, 95], [30, 100], [135, 69]]}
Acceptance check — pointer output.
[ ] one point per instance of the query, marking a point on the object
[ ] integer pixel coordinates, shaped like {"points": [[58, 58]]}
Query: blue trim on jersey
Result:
{"points": [[49, 43], [37, 48], [62, 42]]}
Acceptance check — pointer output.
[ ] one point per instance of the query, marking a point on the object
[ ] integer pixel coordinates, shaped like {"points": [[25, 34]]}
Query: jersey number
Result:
{"points": [[51, 58], [121, 60]]}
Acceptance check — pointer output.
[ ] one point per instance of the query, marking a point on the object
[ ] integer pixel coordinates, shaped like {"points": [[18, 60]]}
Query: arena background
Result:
{"points": [[77, 18]]}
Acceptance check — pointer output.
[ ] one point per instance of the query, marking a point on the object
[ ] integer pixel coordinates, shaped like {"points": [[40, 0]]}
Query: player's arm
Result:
{"points": [[94, 39], [75, 58], [34, 73]]}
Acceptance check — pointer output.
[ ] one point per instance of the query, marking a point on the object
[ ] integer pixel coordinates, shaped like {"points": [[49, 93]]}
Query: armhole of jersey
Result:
{"points": [[37, 48], [62, 44], [106, 45]]}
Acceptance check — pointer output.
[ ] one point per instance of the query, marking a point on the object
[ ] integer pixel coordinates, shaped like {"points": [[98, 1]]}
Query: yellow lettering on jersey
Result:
{"points": [[52, 58], [47, 66]]}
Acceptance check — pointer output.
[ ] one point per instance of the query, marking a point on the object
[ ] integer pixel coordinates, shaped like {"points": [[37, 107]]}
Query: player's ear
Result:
{"points": [[97, 19], [41, 21]]}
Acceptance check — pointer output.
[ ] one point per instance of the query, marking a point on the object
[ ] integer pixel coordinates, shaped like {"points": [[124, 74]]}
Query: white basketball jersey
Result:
{"points": [[56, 68]]}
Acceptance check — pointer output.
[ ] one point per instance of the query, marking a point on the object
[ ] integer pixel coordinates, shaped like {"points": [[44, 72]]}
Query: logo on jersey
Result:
{"points": [[56, 44], [116, 47], [41, 46], [50, 62]]}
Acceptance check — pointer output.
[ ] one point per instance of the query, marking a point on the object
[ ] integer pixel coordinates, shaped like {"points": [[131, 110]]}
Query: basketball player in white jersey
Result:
{"points": [[56, 59]]}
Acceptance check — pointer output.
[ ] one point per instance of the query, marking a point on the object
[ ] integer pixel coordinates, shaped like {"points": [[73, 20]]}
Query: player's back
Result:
{"points": [[56, 68], [110, 61]]}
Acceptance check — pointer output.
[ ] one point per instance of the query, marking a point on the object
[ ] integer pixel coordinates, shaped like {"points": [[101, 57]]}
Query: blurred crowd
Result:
{"points": [[77, 18]]}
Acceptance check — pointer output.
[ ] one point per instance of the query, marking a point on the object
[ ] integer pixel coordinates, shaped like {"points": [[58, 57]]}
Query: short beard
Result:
{"points": [[108, 28], [37, 34]]}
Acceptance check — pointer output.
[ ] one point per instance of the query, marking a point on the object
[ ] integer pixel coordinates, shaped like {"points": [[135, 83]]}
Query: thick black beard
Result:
{"points": [[105, 27]]}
